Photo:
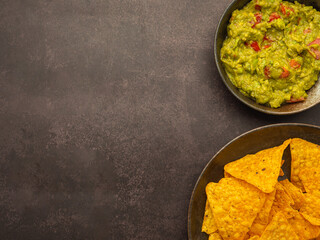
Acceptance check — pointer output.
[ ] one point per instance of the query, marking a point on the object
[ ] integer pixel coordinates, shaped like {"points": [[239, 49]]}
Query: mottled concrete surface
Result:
{"points": [[109, 110]]}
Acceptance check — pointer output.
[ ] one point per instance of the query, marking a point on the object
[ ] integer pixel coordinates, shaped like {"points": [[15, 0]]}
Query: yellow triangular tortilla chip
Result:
{"points": [[303, 228], [295, 193], [257, 228], [282, 203], [208, 224], [215, 236], [279, 228], [262, 219], [234, 204], [304, 154], [310, 178], [311, 209], [263, 215], [260, 169]]}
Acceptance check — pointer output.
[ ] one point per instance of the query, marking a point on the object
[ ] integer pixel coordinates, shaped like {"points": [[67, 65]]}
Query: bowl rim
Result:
{"points": [[225, 146], [251, 105]]}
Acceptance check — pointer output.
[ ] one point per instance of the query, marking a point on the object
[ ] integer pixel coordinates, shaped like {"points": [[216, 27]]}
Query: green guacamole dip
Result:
{"points": [[272, 51]]}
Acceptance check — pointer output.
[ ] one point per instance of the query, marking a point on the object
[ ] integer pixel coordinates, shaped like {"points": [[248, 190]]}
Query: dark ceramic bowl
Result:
{"points": [[221, 33], [250, 142]]}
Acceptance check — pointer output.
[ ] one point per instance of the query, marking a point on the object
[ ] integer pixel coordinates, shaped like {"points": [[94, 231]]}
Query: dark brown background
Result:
{"points": [[109, 110]]}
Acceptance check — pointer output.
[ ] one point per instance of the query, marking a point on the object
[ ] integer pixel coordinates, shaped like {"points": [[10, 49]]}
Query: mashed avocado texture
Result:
{"points": [[272, 51]]}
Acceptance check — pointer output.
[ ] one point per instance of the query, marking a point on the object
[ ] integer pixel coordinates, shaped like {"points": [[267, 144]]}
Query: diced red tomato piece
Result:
{"points": [[265, 38], [274, 16], [316, 52], [294, 64], [266, 46], [284, 9], [258, 19], [285, 73], [255, 46], [308, 30], [317, 41], [257, 7], [294, 100], [267, 71], [245, 43]]}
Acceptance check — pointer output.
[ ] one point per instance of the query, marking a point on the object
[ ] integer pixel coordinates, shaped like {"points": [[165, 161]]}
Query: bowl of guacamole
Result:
{"points": [[268, 54]]}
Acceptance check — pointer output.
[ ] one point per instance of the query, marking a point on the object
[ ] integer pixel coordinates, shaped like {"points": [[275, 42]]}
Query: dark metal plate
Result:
{"points": [[221, 33], [250, 142]]}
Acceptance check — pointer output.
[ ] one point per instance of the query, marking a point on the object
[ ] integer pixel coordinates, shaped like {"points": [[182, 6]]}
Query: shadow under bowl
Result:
{"points": [[286, 109]]}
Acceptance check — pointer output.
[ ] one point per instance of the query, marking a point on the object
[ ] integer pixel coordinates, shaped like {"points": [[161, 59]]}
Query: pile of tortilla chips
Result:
{"points": [[250, 203]]}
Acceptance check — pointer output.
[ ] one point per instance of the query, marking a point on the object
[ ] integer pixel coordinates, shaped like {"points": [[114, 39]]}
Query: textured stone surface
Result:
{"points": [[109, 110]]}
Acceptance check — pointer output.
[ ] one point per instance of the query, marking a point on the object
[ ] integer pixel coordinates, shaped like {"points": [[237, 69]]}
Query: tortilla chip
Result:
{"points": [[263, 215], [281, 171], [279, 228], [215, 236], [310, 178], [260, 169], [262, 219], [282, 203], [304, 154], [254, 238], [295, 193], [311, 209], [208, 225], [234, 204], [303, 228], [246, 237], [257, 229]]}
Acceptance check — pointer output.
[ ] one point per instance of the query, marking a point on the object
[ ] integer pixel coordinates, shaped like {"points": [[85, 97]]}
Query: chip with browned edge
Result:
{"points": [[295, 193], [303, 228], [310, 178], [311, 209], [234, 204], [260, 169], [279, 228], [304, 154], [208, 225]]}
